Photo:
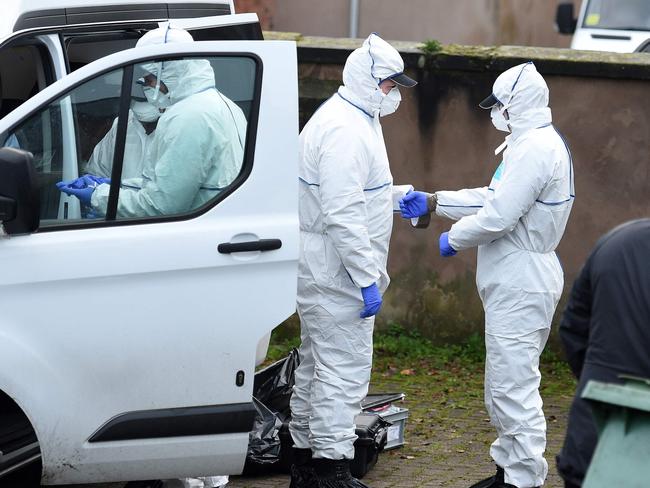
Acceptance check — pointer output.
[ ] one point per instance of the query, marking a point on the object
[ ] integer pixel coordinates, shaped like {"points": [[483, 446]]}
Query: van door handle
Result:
{"points": [[248, 246]]}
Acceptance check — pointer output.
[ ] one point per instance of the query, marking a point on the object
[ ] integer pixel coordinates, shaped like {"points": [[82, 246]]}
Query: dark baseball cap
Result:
{"points": [[402, 80]]}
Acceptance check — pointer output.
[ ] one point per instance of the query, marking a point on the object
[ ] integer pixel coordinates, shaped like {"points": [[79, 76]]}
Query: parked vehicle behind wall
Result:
{"points": [[606, 25]]}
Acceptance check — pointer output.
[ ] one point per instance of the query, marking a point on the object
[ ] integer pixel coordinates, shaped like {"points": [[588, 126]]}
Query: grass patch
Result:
{"points": [[431, 46], [279, 349]]}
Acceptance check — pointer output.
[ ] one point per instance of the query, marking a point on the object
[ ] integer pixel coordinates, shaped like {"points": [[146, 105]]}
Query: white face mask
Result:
{"points": [[159, 100], [375, 100], [390, 102], [498, 119]]}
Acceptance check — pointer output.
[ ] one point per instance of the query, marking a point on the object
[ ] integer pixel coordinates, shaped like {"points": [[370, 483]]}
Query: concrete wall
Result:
{"points": [[439, 139], [479, 22]]}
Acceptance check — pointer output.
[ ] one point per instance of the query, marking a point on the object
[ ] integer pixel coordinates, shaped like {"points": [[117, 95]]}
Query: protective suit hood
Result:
{"points": [[524, 94], [182, 77], [365, 68]]}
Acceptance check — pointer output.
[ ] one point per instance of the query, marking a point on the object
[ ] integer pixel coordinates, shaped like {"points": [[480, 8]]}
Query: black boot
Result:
{"points": [[332, 473], [495, 481], [302, 473]]}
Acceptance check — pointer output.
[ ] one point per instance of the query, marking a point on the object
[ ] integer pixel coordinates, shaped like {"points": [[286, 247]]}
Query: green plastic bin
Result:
{"points": [[622, 413]]}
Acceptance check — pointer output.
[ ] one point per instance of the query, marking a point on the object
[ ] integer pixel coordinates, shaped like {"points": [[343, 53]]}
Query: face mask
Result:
{"points": [[375, 100], [145, 112], [160, 100], [498, 119], [390, 102]]}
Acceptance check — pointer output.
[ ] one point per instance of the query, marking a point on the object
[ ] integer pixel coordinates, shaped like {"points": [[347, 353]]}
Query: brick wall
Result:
{"points": [[265, 10]]}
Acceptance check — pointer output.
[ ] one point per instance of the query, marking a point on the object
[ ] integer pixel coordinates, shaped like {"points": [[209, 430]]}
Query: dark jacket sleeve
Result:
{"points": [[575, 324]]}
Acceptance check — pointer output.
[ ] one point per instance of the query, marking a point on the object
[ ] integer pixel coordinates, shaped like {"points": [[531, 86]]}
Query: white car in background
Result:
{"points": [[606, 25], [128, 346]]}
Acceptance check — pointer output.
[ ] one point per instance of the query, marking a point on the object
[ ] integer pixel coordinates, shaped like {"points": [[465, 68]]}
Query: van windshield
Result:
{"points": [[618, 14]]}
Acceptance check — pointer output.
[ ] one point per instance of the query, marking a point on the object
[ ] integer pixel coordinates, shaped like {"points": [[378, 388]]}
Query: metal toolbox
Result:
{"points": [[382, 405]]}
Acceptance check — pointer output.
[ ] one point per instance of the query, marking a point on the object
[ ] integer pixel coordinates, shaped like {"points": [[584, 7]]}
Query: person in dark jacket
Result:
{"points": [[606, 331]]}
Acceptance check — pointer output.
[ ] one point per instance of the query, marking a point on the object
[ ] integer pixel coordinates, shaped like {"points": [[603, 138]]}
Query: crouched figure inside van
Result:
{"points": [[196, 151]]}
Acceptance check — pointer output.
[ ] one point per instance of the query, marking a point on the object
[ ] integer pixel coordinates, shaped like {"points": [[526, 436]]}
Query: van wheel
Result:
{"points": [[19, 447]]}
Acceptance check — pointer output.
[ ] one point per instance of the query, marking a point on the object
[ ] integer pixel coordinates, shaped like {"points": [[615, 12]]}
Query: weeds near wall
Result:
{"points": [[430, 46]]}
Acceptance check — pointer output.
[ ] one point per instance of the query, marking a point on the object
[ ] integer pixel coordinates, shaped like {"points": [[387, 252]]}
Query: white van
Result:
{"points": [[606, 25], [128, 344]]}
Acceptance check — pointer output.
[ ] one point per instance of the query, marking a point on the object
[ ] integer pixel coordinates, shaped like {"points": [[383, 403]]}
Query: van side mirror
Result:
{"points": [[19, 196], [565, 20]]}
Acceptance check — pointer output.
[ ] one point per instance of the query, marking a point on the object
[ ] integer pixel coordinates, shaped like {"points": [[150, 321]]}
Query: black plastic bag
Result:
{"points": [[274, 384], [272, 390], [264, 439]]}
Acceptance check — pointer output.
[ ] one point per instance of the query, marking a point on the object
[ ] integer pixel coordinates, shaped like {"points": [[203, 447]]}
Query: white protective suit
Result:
{"points": [[136, 144], [198, 145], [517, 222], [346, 218]]}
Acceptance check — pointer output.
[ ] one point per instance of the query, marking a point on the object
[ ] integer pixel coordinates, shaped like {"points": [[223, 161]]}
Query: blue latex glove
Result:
{"points": [[76, 183], [83, 194], [371, 301], [92, 180], [445, 249], [84, 182], [414, 204], [82, 187]]}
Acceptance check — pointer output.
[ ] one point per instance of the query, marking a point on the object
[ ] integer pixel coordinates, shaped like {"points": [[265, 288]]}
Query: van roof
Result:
{"points": [[24, 14]]}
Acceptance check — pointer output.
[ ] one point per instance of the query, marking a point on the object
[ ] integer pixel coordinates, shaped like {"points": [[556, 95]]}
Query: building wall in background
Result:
{"points": [[473, 22], [265, 10]]}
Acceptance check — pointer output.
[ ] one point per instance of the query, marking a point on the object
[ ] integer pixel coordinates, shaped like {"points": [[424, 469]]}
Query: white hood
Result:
{"points": [[183, 77], [524, 93], [365, 68]]}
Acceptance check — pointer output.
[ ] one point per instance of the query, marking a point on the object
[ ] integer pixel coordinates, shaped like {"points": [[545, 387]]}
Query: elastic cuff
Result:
{"points": [[452, 244], [432, 202]]}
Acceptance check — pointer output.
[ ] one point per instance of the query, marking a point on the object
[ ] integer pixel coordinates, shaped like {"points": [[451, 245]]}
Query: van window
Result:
{"points": [[25, 69], [172, 161], [85, 48], [618, 14]]}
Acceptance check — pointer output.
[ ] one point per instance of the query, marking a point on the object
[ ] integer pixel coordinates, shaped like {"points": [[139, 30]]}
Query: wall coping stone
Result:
{"points": [[553, 61]]}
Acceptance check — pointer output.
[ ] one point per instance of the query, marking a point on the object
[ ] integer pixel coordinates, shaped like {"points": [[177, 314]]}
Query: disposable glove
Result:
{"points": [[84, 182], [83, 194], [92, 180], [76, 183], [371, 301], [82, 187], [414, 204], [445, 249]]}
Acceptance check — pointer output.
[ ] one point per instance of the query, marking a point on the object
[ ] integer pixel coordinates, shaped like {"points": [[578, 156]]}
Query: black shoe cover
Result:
{"points": [[302, 477], [335, 474], [302, 474], [495, 481]]}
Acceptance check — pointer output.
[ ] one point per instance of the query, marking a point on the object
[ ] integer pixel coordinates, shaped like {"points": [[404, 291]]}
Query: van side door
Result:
{"points": [[130, 329]]}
